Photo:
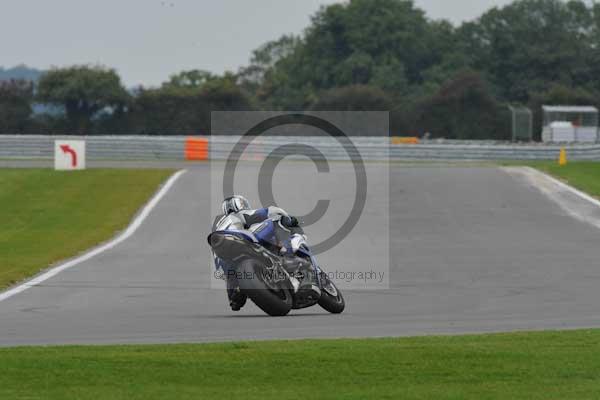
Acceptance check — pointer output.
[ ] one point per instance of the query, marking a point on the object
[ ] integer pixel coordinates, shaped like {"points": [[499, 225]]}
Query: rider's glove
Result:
{"points": [[290, 222]]}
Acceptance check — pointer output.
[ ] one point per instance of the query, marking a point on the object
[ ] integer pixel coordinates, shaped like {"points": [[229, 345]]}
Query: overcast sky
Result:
{"points": [[148, 40]]}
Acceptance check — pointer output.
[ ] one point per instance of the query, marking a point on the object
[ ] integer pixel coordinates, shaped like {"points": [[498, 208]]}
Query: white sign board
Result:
{"points": [[69, 155]]}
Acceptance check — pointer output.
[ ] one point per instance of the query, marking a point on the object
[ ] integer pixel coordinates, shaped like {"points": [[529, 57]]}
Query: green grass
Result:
{"points": [[47, 216], [550, 365], [584, 176]]}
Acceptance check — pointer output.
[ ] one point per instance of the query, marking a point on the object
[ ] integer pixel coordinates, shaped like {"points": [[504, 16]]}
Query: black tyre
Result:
{"points": [[274, 299], [331, 298]]}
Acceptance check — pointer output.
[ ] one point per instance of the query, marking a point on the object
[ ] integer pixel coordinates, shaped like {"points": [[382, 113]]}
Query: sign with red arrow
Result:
{"points": [[68, 150], [69, 155]]}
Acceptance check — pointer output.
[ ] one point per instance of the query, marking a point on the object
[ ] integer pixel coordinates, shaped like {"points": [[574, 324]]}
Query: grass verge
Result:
{"points": [[582, 175], [47, 216], [548, 365]]}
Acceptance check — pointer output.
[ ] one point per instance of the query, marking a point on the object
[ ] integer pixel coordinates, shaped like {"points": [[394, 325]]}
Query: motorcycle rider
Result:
{"points": [[242, 217]]}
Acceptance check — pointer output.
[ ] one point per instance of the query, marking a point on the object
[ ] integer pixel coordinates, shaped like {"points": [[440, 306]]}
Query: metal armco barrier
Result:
{"points": [[221, 147], [97, 147]]}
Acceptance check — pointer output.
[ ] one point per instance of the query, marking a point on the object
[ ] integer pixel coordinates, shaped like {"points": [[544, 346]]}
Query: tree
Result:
{"points": [[185, 109], [391, 77], [462, 109], [263, 61], [20, 72], [83, 91], [382, 43], [15, 105], [530, 44], [593, 57], [353, 98], [191, 79], [345, 41]]}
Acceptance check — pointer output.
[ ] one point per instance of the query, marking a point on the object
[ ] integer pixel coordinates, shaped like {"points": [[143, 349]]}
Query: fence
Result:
{"points": [[220, 148]]}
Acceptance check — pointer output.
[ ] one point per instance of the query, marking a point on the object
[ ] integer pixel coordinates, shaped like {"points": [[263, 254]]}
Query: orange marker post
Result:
{"points": [[196, 149], [405, 140]]}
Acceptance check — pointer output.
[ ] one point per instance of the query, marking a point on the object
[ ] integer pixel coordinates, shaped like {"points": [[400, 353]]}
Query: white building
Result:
{"points": [[570, 124]]}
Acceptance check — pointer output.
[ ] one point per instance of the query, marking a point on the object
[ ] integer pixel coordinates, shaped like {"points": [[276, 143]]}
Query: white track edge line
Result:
{"points": [[131, 229], [565, 186]]}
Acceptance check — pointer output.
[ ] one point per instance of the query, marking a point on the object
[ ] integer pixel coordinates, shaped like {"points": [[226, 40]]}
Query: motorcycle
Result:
{"points": [[269, 278]]}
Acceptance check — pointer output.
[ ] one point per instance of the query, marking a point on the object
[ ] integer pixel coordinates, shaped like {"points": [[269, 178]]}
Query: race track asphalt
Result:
{"points": [[466, 249]]}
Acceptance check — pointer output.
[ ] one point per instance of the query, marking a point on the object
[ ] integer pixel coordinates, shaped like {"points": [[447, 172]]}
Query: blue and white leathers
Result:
{"points": [[257, 226]]}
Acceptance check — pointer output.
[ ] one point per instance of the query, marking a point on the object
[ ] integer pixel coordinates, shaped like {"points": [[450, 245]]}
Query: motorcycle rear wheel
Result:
{"points": [[274, 299]]}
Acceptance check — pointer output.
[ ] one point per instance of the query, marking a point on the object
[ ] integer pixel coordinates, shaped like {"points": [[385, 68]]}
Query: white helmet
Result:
{"points": [[235, 204]]}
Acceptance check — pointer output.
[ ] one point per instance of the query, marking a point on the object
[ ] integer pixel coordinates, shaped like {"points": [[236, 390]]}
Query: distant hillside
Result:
{"points": [[20, 72]]}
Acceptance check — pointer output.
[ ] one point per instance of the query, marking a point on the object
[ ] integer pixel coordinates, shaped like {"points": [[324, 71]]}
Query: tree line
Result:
{"points": [[449, 81]]}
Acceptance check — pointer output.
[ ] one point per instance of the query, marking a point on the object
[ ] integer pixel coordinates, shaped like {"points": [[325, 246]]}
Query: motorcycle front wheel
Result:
{"points": [[331, 298], [257, 283]]}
